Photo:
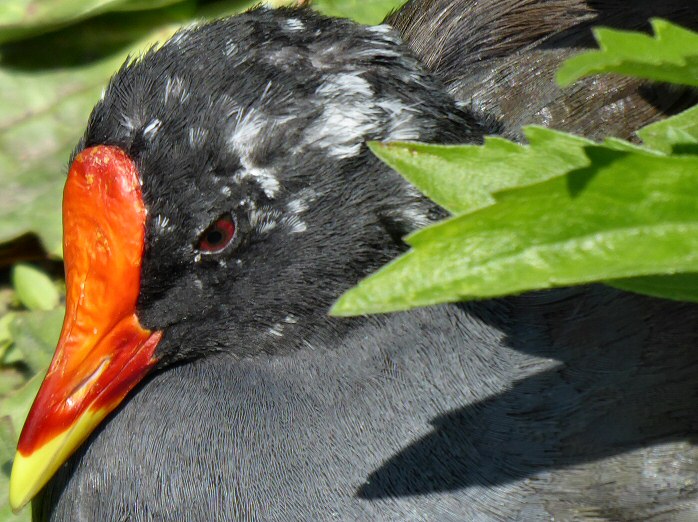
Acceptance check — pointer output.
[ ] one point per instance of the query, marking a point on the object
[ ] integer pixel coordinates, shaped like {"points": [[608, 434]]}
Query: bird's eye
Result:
{"points": [[218, 235]]}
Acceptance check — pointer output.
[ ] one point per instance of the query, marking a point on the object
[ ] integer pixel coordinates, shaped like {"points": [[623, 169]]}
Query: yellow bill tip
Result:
{"points": [[31, 472]]}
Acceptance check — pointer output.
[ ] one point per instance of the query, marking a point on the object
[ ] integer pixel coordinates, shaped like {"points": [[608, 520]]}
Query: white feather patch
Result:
{"points": [[152, 129], [348, 117], [248, 129], [293, 24], [175, 90], [197, 137]]}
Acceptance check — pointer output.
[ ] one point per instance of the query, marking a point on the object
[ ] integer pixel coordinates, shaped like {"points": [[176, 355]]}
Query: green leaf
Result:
{"points": [[679, 287], [12, 355], [678, 134], [671, 56], [22, 18], [16, 406], [34, 288], [222, 8], [45, 99], [628, 214], [10, 379], [373, 12], [8, 443], [42, 115], [14, 410], [36, 334], [143, 5], [462, 178], [5, 334]]}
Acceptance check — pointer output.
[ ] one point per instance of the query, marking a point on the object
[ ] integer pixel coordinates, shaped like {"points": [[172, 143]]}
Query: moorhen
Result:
{"points": [[220, 201]]}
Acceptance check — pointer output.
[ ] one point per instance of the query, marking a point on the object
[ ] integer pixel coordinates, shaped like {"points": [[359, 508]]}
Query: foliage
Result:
{"points": [[55, 59], [671, 56], [560, 210], [624, 214]]}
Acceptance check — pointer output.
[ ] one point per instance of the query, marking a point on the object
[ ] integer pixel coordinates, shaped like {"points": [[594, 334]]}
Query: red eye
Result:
{"points": [[218, 236]]}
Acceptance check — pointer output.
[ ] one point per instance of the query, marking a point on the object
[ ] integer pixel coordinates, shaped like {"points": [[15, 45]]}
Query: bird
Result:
{"points": [[223, 197]]}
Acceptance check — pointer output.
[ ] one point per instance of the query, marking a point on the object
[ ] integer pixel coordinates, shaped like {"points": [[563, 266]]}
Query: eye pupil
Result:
{"points": [[214, 237], [218, 235]]}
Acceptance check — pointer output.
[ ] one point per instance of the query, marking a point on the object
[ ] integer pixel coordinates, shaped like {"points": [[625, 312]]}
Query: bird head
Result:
{"points": [[221, 198]]}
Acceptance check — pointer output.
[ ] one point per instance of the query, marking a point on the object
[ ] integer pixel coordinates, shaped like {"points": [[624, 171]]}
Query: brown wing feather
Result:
{"points": [[501, 56]]}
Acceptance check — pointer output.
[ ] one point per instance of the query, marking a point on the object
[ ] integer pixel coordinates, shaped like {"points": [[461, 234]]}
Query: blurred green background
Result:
{"points": [[56, 56]]}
